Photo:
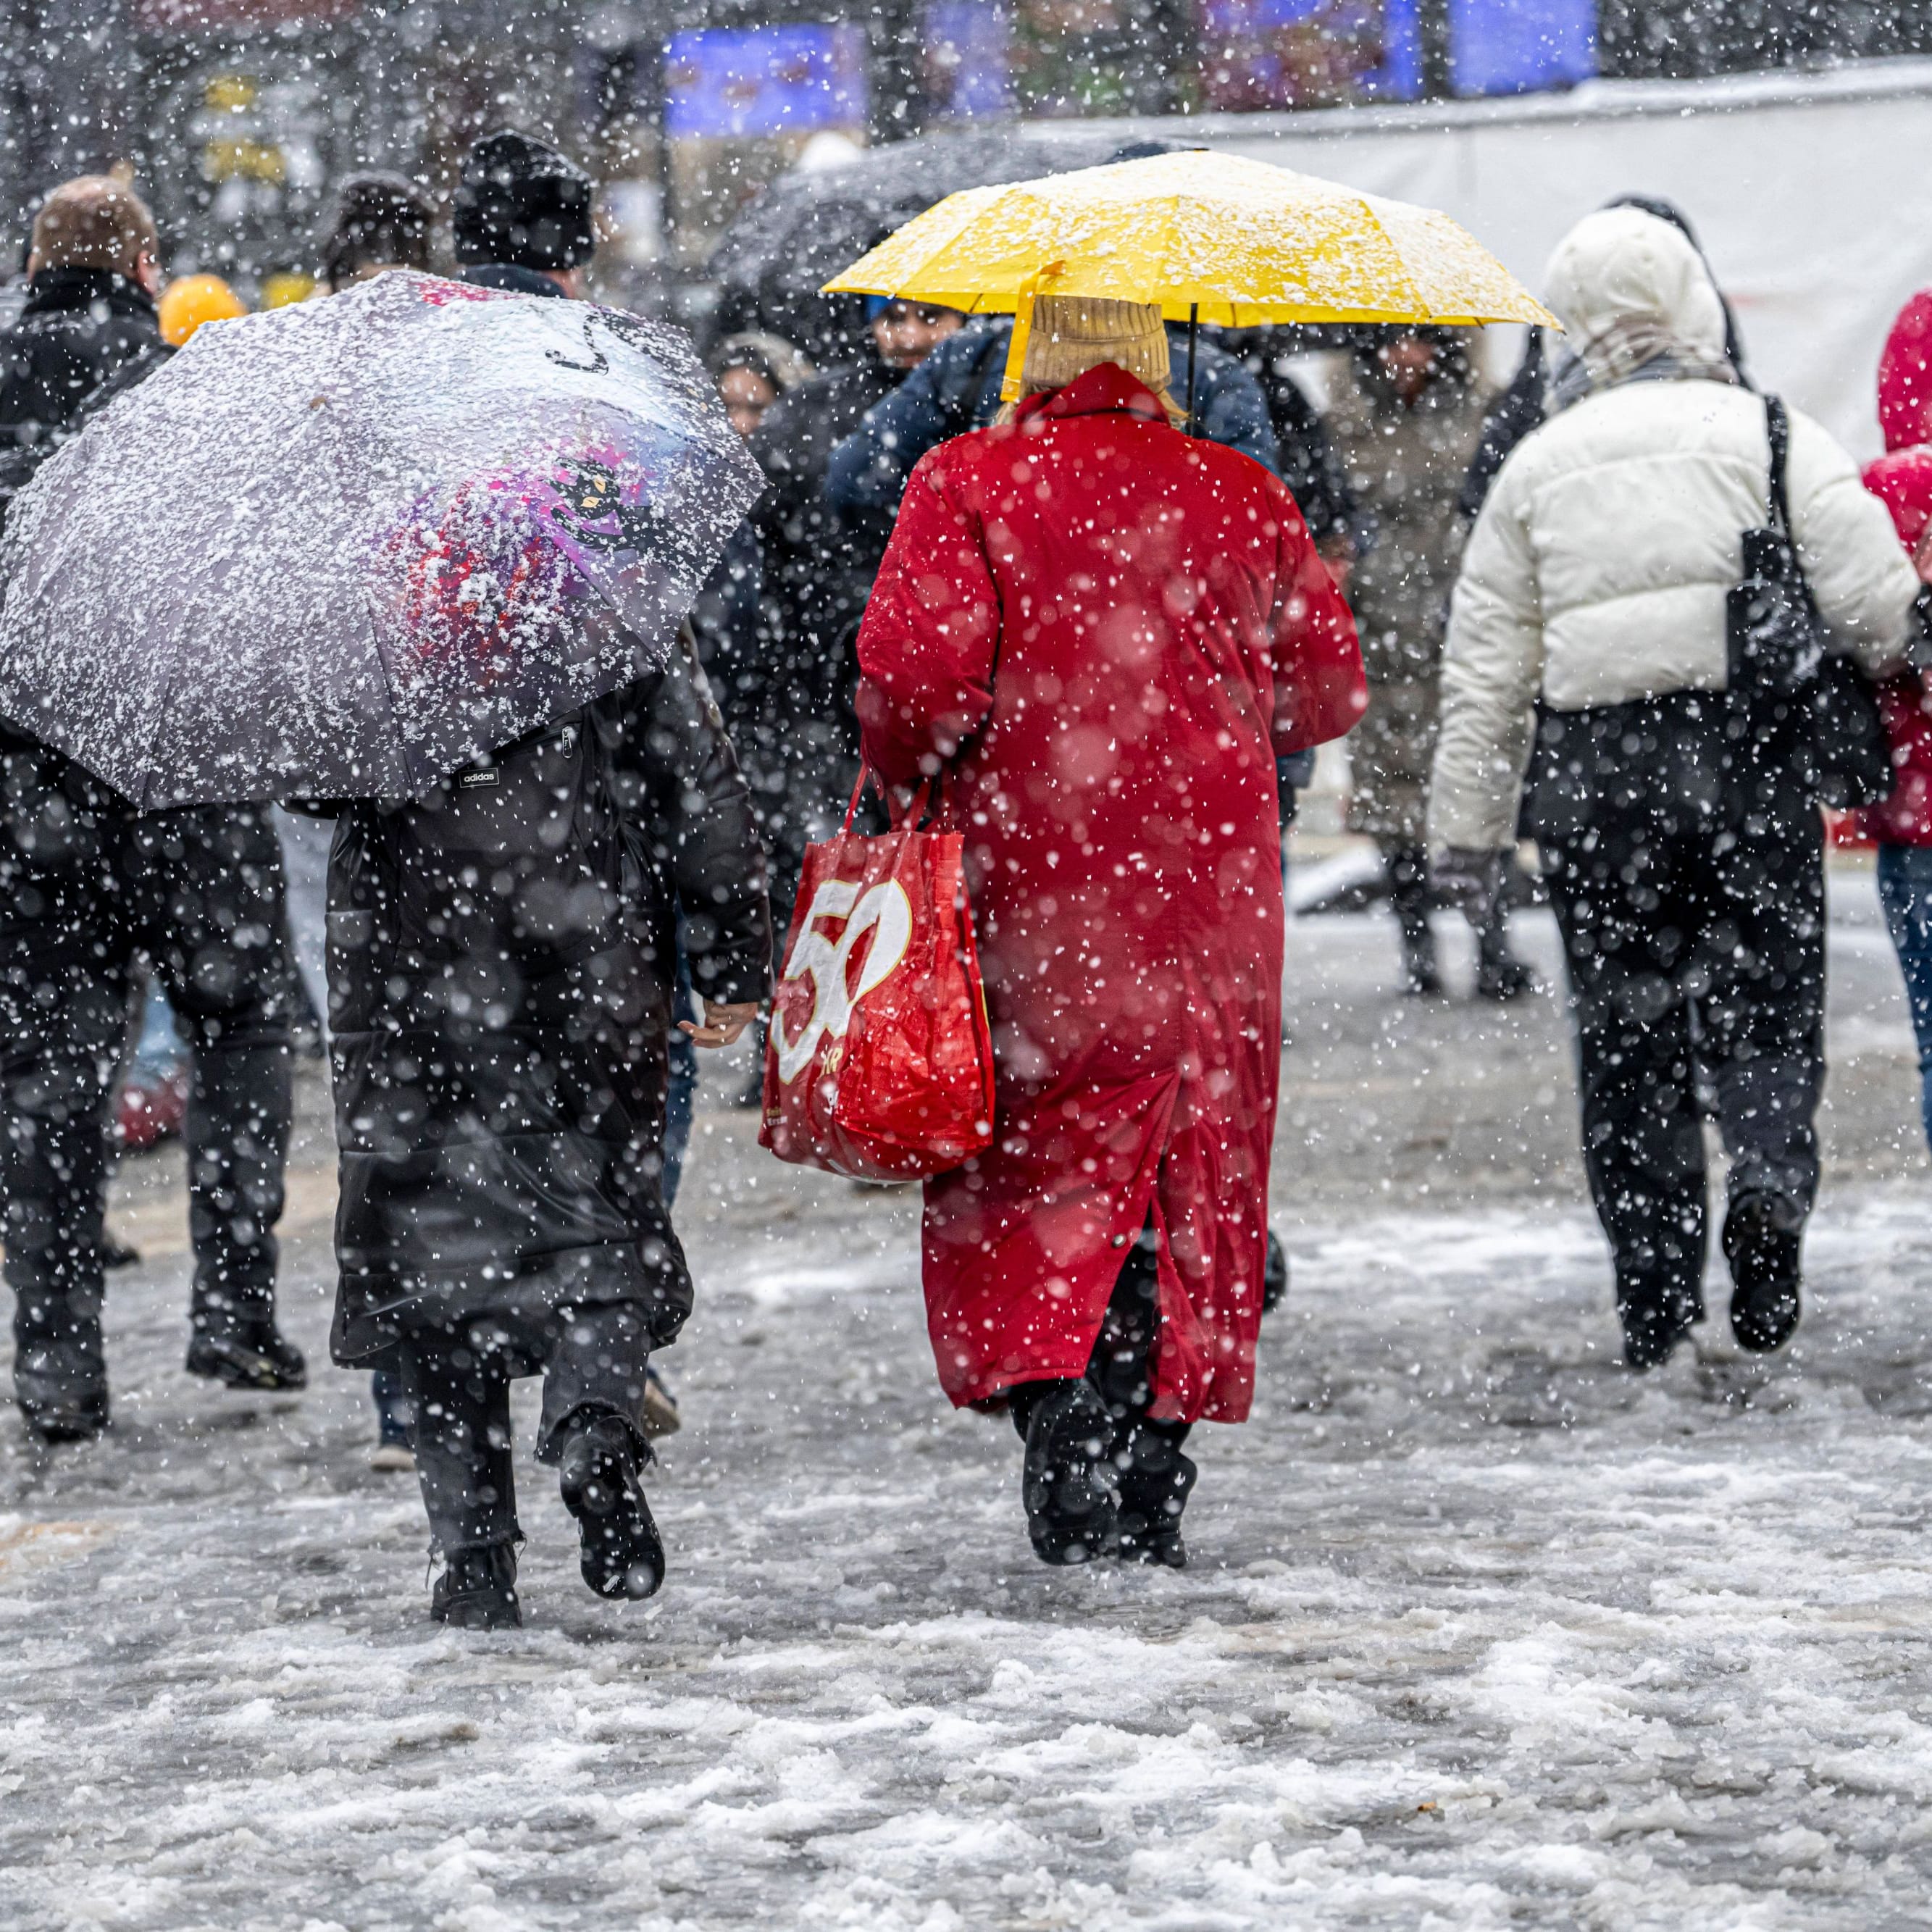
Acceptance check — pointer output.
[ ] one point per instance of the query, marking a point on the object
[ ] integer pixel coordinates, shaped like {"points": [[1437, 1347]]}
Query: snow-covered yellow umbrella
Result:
{"points": [[1212, 238]]}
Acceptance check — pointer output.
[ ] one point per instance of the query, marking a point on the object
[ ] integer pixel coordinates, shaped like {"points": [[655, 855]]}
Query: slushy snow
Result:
{"points": [[1481, 1631]]}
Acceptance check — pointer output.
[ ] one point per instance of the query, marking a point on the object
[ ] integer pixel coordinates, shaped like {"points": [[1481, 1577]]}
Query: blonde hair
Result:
{"points": [[93, 222], [1071, 335]]}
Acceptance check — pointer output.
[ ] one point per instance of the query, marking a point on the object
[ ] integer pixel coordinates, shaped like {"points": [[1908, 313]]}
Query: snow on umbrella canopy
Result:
{"points": [[340, 549], [1209, 237]]}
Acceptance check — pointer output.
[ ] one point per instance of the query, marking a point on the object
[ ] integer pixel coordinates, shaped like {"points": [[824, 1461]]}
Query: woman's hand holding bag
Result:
{"points": [[880, 1061]]}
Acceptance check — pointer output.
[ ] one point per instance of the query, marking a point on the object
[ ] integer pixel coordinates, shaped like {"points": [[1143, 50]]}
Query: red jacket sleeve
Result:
{"points": [[930, 635], [1319, 690]]}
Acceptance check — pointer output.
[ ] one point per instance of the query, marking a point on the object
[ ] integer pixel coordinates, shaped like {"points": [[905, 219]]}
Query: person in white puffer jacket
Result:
{"points": [[1592, 597]]}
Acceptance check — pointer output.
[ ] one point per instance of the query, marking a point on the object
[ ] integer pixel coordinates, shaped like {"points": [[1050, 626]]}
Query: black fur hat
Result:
{"points": [[522, 202]]}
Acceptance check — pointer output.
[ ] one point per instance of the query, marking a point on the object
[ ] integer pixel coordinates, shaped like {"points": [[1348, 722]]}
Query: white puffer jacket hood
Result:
{"points": [[1599, 569], [1622, 268]]}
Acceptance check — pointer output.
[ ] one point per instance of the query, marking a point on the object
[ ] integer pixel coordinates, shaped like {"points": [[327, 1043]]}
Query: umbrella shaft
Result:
{"points": [[1193, 330]]}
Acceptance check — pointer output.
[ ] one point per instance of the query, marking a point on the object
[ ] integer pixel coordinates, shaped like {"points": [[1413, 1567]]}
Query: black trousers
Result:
{"points": [[457, 1380], [1694, 931], [1407, 868], [198, 892], [1121, 1366]]}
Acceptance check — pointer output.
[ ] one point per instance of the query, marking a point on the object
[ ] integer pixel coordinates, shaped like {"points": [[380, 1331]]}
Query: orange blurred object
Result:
{"points": [[189, 300]]}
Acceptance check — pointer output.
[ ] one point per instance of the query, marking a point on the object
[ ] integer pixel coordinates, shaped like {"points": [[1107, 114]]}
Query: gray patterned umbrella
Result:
{"points": [[339, 550]]}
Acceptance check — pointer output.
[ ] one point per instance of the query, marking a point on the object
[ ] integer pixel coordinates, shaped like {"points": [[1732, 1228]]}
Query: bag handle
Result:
{"points": [[1777, 432], [914, 814]]}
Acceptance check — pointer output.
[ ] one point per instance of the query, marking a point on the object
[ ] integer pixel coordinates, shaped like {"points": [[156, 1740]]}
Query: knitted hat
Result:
{"points": [[1072, 334], [522, 202]]}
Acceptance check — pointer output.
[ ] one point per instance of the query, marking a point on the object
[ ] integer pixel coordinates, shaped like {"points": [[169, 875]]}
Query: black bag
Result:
{"points": [[1798, 709]]}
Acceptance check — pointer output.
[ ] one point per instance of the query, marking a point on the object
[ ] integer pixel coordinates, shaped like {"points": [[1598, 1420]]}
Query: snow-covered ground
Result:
{"points": [[1481, 1631]]}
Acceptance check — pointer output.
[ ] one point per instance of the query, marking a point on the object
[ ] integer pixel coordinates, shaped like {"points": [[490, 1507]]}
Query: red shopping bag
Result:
{"points": [[879, 1062]]}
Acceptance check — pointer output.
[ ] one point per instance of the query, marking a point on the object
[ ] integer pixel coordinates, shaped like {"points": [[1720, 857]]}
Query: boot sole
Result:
{"points": [[56, 1431], [629, 1565], [243, 1368], [474, 1611]]}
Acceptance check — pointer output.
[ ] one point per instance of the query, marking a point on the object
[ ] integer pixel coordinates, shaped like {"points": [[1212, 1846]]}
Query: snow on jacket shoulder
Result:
{"points": [[1598, 570]]}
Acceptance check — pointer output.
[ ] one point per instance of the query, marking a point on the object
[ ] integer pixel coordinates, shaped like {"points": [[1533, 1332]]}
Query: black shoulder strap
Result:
{"points": [[1778, 427]]}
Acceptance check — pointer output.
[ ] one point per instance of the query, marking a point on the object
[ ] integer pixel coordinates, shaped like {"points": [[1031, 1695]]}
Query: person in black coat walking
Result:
{"points": [[87, 887], [88, 329], [500, 1069]]}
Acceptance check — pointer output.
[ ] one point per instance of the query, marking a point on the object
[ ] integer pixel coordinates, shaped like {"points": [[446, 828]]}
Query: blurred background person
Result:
{"points": [[818, 566], [743, 645], [1405, 424], [90, 888], [1308, 461], [1902, 827], [380, 221], [752, 371]]}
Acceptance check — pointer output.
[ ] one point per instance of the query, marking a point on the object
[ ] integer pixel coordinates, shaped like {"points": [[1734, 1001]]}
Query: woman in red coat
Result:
{"points": [[1100, 633], [1902, 826]]}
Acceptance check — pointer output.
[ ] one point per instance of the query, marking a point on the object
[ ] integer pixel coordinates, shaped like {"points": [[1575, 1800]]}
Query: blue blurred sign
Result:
{"points": [[740, 81], [1289, 53], [969, 59], [1312, 53], [1521, 46], [1398, 76]]}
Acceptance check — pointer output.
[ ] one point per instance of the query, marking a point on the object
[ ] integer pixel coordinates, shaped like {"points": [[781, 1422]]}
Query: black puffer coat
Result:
{"points": [[84, 335], [501, 967]]}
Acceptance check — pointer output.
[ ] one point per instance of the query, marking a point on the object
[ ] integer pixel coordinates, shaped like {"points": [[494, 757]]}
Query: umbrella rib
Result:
{"points": [[387, 679]]}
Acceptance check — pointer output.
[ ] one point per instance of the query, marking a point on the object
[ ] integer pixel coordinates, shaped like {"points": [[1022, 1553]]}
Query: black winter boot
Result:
{"points": [[1067, 1485], [1155, 1479], [1407, 869], [251, 1353], [478, 1589], [1500, 975], [1656, 1316], [238, 1135], [1762, 1234], [60, 1371], [622, 1554]]}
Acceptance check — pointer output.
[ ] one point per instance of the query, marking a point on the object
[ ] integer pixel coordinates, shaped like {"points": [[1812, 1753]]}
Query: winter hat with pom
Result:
{"points": [[1072, 334], [522, 202]]}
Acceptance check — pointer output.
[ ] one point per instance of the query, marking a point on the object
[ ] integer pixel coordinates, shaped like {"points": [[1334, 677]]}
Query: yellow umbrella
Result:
{"points": [[1211, 237]]}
